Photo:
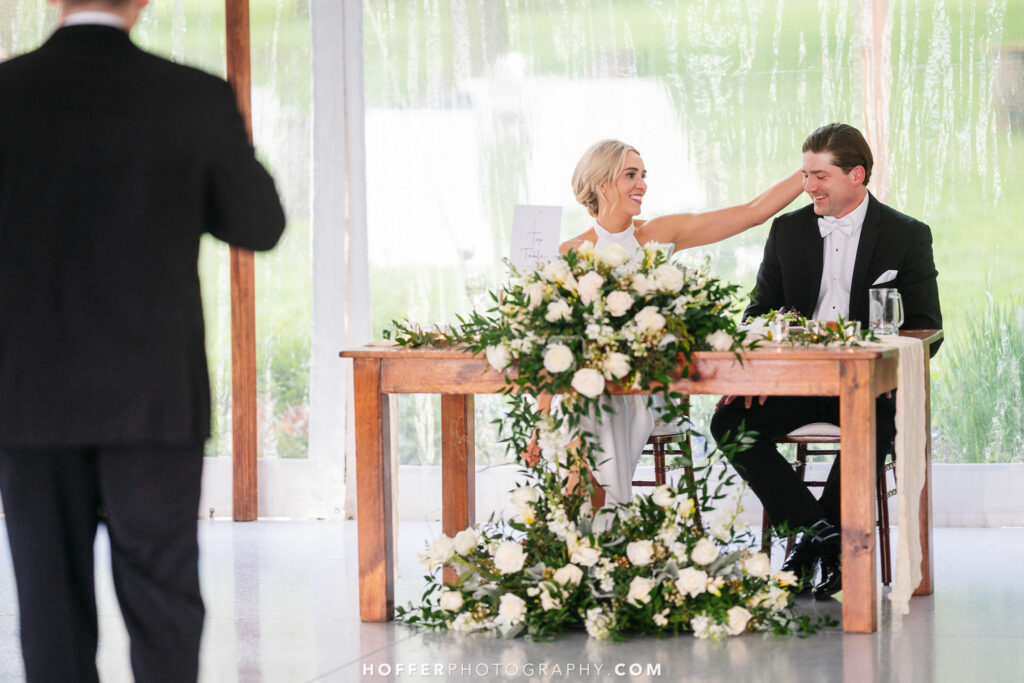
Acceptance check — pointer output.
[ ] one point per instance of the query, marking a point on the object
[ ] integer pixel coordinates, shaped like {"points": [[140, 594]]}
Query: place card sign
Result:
{"points": [[535, 235]]}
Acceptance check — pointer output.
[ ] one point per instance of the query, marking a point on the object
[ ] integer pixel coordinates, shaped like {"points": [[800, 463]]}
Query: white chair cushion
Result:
{"points": [[668, 428], [819, 429]]}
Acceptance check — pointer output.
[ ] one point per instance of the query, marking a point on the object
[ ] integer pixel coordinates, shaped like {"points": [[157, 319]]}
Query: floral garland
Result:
{"points": [[793, 329], [575, 327]]}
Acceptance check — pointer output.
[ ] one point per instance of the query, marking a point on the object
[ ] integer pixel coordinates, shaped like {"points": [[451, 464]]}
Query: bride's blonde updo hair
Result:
{"points": [[598, 165]]}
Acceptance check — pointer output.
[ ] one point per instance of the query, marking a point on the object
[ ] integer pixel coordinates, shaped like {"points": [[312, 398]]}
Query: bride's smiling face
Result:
{"points": [[626, 194]]}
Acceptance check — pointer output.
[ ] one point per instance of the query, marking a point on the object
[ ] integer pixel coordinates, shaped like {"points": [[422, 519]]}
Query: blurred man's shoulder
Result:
{"points": [[184, 74]]}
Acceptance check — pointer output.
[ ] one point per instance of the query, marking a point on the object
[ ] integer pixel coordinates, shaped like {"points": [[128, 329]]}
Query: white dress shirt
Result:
{"points": [[92, 17], [842, 235]]}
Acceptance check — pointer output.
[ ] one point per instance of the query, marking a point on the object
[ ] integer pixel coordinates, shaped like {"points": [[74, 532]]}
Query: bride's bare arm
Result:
{"points": [[576, 241], [694, 229]]}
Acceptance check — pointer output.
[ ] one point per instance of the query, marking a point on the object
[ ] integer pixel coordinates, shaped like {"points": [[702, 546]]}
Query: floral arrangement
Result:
{"points": [[576, 327], [646, 567], [796, 330]]}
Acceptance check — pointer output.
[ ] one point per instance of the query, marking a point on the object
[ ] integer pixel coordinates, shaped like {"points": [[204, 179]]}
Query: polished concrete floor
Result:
{"points": [[282, 606]]}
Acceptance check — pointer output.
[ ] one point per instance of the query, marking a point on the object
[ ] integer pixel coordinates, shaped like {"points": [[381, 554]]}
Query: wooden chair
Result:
{"points": [[827, 435], [664, 441]]}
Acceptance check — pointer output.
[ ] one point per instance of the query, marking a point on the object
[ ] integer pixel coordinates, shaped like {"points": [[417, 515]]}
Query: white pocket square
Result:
{"points": [[887, 276]]}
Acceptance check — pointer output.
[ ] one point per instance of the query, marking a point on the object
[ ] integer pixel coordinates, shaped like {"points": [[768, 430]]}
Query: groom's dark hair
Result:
{"points": [[847, 145]]}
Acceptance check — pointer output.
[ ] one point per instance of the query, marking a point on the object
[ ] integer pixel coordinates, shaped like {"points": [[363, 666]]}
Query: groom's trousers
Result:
{"points": [[52, 498], [785, 497]]}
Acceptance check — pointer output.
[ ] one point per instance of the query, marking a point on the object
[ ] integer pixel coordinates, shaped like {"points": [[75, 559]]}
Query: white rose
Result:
{"points": [[547, 599], [641, 284], [598, 623], [678, 551], [525, 495], [534, 295], [556, 271], [589, 287], [617, 303], [465, 541], [640, 590], [509, 557], [640, 552], [451, 601], [691, 581], [738, 619], [586, 249], [649, 320], [585, 554], [668, 278], [588, 382], [719, 341], [612, 255], [663, 496], [704, 552], [439, 552], [558, 310], [616, 365], [758, 566], [557, 358], [570, 573], [511, 609], [498, 356]]}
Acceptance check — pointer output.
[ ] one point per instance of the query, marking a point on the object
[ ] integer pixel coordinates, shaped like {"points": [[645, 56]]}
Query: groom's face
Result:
{"points": [[833, 192]]}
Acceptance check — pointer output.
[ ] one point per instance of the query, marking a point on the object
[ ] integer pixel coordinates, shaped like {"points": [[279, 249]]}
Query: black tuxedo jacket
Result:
{"points": [[113, 163], [790, 273]]}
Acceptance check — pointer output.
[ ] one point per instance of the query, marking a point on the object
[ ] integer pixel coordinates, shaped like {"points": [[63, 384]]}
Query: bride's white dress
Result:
{"points": [[622, 435]]}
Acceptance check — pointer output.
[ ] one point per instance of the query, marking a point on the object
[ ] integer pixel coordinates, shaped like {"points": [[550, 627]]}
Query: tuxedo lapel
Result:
{"points": [[815, 259], [869, 234]]}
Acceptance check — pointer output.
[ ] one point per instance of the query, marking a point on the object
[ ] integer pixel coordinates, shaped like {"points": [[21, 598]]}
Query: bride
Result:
{"points": [[610, 181]]}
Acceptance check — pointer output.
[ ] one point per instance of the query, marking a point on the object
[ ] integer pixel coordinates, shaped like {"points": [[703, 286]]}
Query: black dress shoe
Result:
{"points": [[831, 570], [802, 562]]}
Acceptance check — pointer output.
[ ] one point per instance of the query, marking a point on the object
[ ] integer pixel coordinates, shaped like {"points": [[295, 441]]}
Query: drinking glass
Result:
{"points": [[885, 310], [476, 292], [779, 329]]}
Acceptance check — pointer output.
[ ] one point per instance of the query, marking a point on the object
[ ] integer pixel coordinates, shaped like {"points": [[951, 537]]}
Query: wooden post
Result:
{"points": [[458, 466], [243, 290], [857, 496], [373, 489]]}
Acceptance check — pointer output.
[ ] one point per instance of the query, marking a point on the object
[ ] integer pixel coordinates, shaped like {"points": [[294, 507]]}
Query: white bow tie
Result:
{"points": [[826, 224]]}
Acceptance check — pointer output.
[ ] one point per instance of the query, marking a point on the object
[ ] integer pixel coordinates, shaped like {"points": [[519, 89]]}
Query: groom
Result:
{"points": [[113, 164], [820, 261]]}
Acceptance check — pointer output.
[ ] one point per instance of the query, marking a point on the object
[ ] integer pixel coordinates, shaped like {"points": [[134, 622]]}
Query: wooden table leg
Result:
{"points": [[373, 493], [458, 466], [925, 505], [857, 481]]}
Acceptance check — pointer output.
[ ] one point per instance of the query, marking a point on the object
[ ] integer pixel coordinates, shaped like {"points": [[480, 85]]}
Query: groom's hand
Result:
{"points": [[747, 400]]}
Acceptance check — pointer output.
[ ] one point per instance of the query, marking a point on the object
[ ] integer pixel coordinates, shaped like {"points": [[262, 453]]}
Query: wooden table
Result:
{"points": [[856, 376]]}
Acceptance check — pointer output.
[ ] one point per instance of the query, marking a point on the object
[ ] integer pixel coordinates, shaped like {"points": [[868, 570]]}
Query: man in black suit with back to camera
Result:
{"points": [[821, 261], [113, 163]]}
